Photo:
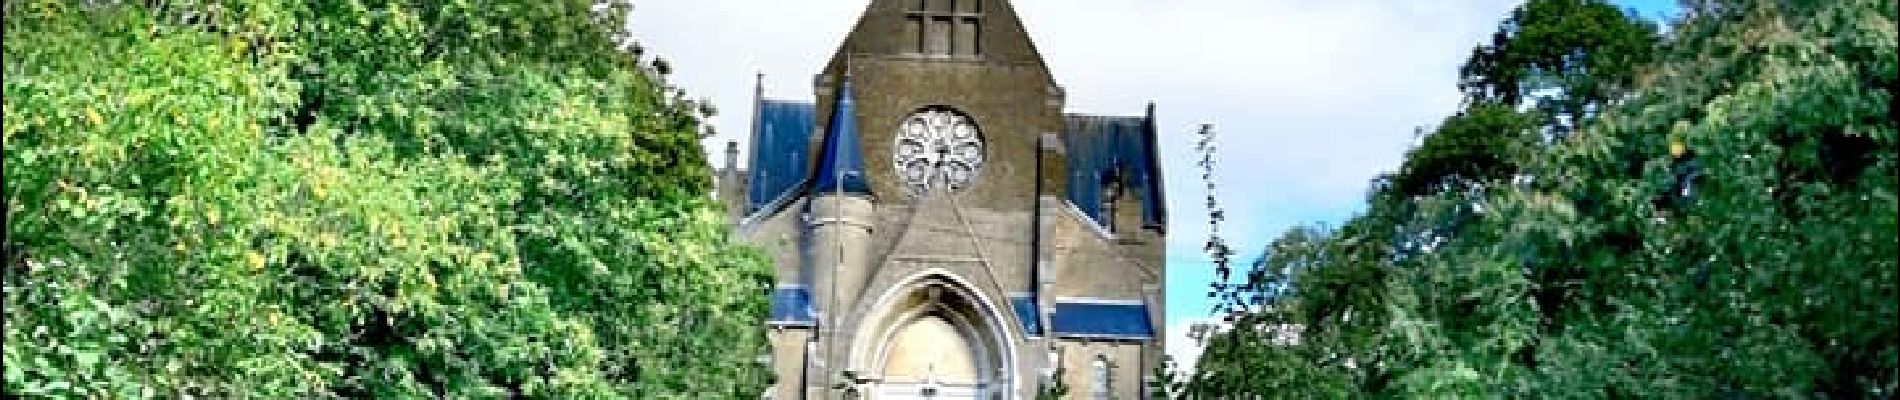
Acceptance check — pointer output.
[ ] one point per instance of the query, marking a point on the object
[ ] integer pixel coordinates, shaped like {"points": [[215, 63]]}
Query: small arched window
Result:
{"points": [[1099, 387]]}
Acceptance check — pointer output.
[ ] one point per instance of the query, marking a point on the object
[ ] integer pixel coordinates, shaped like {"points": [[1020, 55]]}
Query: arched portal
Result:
{"points": [[934, 338], [931, 357]]}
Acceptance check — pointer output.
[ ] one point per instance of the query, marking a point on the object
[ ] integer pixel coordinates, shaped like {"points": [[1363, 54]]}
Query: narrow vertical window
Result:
{"points": [[944, 27], [937, 36], [966, 37], [969, 6], [914, 34], [1111, 195], [1099, 388]]}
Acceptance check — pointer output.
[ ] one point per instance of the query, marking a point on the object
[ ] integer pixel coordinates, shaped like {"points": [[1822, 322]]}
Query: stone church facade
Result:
{"points": [[942, 229]]}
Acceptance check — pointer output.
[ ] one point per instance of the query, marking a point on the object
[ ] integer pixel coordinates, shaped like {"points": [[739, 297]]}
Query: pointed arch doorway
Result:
{"points": [[934, 339]]}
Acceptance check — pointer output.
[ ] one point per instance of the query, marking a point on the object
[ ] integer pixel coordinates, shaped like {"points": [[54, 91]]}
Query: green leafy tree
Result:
{"points": [[1723, 229], [1482, 144], [313, 199], [1568, 58]]}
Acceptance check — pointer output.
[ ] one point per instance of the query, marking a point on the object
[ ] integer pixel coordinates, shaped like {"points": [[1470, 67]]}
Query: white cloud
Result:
{"points": [[717, 46], [1311, 98]]}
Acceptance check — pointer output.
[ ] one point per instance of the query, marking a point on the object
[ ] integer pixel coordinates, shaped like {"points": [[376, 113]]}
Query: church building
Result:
{"points": [[943, 229]]}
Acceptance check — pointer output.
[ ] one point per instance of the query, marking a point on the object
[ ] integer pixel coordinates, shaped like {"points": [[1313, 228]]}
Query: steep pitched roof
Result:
{"points": [[841, 166], [1124, 147], [781, 151]]}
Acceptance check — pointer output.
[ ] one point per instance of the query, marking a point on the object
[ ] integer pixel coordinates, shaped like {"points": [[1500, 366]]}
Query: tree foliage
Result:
{"points": [[312, 199], [1725, 229], [1485, 142], [1566, 58], [1549, 66]]}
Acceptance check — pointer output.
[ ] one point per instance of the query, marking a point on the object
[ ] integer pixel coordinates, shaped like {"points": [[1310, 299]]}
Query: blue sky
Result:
{"points": [[1658, 10], [1311, 98]]}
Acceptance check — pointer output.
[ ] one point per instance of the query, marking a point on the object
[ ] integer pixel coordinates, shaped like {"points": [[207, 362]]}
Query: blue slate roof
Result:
{"points": [[841, 167], [1099, 148], [1026, 312], [1101, 320], [791, 306], [1121, 148], [781, 148]]}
